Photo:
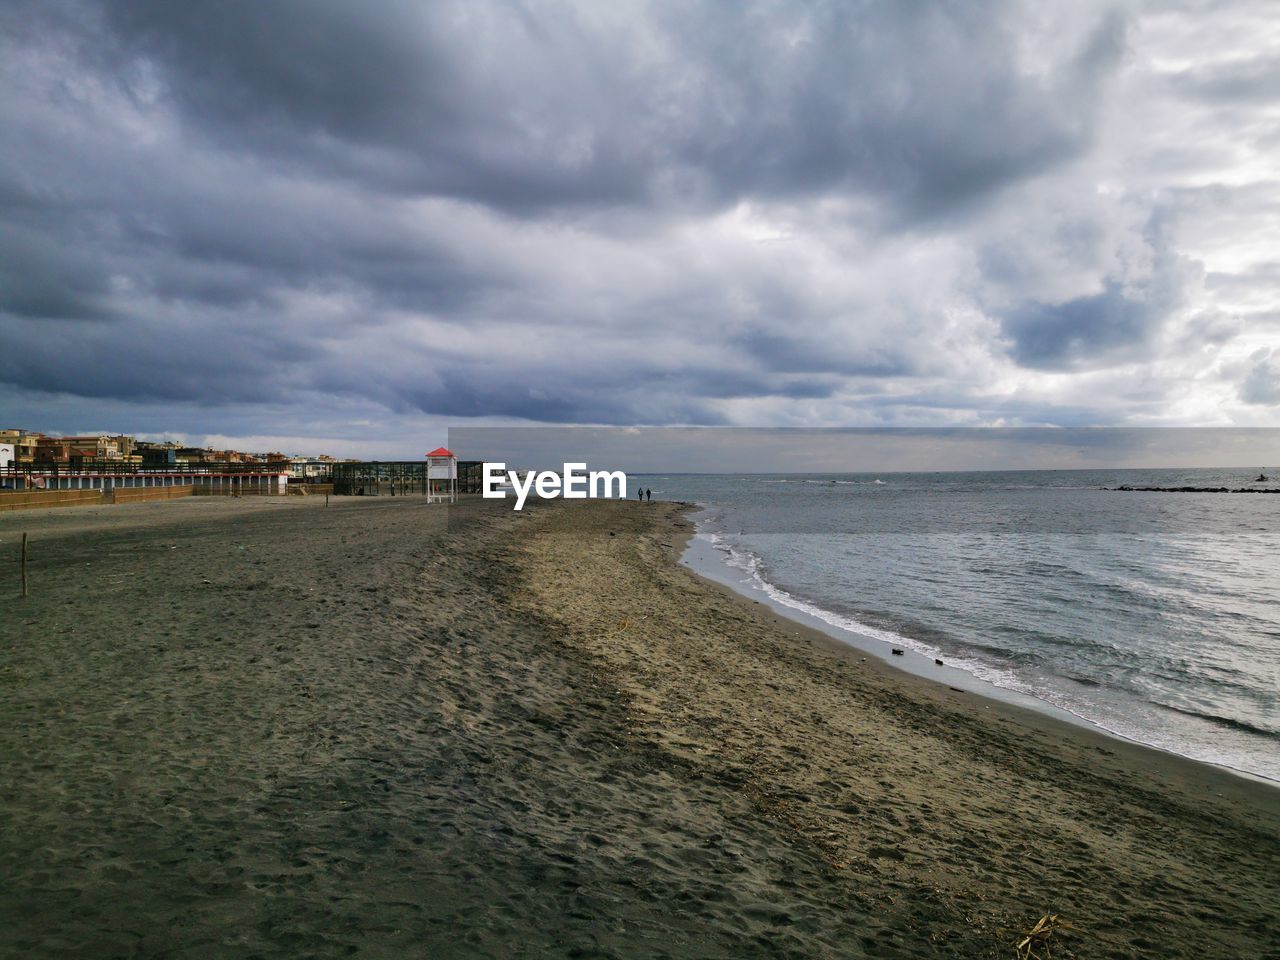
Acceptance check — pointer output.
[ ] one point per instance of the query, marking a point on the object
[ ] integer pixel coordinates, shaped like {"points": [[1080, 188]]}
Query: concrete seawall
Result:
{"points": [[46, 499], [43, 499], [141, 494]]}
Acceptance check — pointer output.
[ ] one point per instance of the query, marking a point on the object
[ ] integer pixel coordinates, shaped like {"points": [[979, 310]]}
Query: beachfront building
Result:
{"points": [[379, 478], [80, 473], [94, 448], [158, 454], [24, 443], [52, 450], [311, 469], [110, 462], [440, 475]]}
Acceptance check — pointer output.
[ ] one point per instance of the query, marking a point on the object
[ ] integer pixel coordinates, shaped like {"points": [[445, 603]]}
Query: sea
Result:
{"points": [[1154, 616]]}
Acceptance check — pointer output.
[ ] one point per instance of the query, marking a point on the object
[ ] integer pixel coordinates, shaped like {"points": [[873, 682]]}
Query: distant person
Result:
{"points": [[648, 494], [1262, 477], [640, 494]]}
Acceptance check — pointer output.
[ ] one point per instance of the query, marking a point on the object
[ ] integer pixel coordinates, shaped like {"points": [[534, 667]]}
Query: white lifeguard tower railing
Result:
{"points": [[442, 476]]}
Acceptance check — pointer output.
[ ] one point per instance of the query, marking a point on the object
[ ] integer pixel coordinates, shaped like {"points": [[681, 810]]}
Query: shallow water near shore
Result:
{"points": [[1152, 616]]}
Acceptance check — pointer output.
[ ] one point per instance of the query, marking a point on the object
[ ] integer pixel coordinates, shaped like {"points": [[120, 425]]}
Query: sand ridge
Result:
{"points": [[927, 796]]}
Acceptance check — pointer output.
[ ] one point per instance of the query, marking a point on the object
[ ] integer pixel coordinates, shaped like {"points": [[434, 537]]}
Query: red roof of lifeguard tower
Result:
{"points": [[442, 452]]}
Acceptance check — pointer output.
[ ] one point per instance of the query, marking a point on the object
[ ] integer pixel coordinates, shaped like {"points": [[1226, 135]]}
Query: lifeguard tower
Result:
{"points": [[442, 476]]}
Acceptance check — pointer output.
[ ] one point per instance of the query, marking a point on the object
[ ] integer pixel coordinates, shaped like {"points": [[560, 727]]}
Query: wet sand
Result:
{"points": [[270, 728]]}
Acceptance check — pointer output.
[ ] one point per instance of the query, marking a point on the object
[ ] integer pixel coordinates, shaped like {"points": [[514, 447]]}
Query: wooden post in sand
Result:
{"points": [[24, 564]]}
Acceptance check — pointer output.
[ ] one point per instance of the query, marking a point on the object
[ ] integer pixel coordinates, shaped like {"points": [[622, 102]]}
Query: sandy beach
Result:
{"points": [[264, 727]]}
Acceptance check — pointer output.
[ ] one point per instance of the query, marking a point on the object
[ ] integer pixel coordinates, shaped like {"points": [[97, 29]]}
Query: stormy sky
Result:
{"points": [[329, 226]]}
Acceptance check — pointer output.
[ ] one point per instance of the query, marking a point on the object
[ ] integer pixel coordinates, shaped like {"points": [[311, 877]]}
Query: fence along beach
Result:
{"points": [[262, 727]]}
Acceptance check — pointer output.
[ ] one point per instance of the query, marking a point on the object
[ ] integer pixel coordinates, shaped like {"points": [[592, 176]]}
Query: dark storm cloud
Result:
{"points": [[777, 351], [523, 108], [1062, 335], [1112, 325], [133, 359], [578, 212], [40, 277], [470, 387]]}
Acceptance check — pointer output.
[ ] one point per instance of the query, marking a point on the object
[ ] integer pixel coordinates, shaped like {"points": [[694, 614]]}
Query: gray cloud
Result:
{"points": [[637, 213], [1262, 273], [1254, 78], [1112, 325], [1063, 335], [521, 108], [1262, 385]]}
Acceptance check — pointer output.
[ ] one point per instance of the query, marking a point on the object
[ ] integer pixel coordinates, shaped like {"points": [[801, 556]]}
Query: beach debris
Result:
{"points": [[898, 652], [1035, 943], [937, 661]]}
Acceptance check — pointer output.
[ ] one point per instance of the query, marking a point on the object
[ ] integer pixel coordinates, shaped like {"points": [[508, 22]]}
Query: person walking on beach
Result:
{"points": [[648, 494], [640, 494]]}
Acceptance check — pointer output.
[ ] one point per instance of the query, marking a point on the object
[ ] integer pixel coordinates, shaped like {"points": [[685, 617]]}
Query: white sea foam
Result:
{"points": [[744, 560], [749, 564]]}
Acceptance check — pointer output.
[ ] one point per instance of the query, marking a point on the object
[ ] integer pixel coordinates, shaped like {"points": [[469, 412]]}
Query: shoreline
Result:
{"points": [[395, 728], [711, 565], [1013, 778], [1150, 758]]}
